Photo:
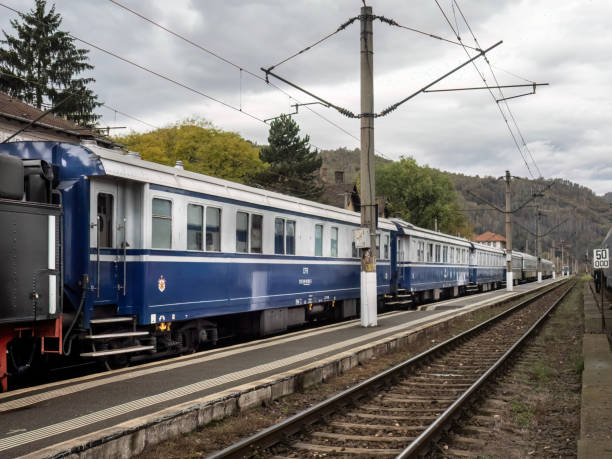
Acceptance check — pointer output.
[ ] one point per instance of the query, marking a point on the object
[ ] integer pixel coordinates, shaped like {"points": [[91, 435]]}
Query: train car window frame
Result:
{"points": [[242, 240], [156, 219], [318, 236], [444, 254], [333, 242], [386, 247], [430, 252], [254, 235], [106, 220], [279, 238], [437, 251], [354, 250], [199, 242], [378, 246], [215, 243], [290, 238]]}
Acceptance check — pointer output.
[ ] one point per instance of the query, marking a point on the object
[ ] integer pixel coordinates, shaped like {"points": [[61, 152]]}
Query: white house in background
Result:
{"points": [[491, 239]]}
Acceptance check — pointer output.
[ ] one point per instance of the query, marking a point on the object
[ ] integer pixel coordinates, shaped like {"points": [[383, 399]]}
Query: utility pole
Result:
{"points": [[562, 241], [368, 185], [509, 280], [539, 245], [554, 260]]}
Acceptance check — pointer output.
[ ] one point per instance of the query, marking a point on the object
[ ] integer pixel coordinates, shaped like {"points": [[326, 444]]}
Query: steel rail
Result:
{"points": [[435, 428], [268, 437]]}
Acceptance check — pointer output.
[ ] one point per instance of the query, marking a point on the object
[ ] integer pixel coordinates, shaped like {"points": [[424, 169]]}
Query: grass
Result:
{"points": [[523, 413], [540, 373]]}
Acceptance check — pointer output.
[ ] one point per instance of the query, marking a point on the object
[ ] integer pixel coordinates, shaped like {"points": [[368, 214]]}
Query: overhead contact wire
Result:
{"points": [[241, 68], [490, 92], [153, 72], [500, 90]]}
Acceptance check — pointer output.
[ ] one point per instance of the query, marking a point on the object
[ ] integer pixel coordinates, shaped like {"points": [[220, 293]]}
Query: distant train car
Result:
{"points": [[431, 264], [530, 268], [487, 267], [517, 267], [547, 269]]}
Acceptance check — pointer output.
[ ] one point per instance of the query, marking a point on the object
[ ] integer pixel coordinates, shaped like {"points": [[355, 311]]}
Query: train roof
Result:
{"points": [[412, 230], [90, 159]]}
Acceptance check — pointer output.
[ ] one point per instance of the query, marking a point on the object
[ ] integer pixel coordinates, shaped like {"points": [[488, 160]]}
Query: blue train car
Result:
{"points": [[487, 267], [431, 264], [159, 259]]}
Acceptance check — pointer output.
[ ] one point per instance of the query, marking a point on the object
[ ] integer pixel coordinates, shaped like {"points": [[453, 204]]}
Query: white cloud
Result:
{"points": [[565, 125]]}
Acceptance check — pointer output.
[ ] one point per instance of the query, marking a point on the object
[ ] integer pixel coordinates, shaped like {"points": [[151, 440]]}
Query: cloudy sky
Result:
{"points": [[567, 126]]}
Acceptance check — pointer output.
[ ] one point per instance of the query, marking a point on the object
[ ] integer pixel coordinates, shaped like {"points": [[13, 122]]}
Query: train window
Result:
{"points": [[421, 251], [318, 240], [333, 246], [437, 253], [445, 254], [377, 246], [161, 229], [354, 251], [429, 252], [256, 233], [242, 232], [105, 219], [452, 255], [279, 236], [213, 229], [386, 247], [290, 238], [195, 217]]}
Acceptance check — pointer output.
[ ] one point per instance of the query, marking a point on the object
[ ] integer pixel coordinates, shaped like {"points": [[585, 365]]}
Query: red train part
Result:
{"points": [[45, 330]]}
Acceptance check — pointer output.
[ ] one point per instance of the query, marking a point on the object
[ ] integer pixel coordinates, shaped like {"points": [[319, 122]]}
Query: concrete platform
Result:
{"points": [[596, 406], [119, 413]]}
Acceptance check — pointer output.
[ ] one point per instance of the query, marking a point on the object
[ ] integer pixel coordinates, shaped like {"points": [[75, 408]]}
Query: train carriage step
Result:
{"points": [[124, 350], [118, 335], [111, 320]]}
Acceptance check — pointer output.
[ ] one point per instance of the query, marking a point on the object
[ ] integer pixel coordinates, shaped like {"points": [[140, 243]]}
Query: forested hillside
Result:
{"points": [[581, 218]]}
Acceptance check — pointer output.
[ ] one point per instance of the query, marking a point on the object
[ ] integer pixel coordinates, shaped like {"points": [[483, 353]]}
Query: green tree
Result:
{"points": [[419, 195], [39, 66], [293, 165], [201, 147]]}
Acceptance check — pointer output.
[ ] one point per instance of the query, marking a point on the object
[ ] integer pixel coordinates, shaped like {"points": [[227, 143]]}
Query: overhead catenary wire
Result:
{"points": [[153, 72], [518, 130], [237, 66], [37, 83]]}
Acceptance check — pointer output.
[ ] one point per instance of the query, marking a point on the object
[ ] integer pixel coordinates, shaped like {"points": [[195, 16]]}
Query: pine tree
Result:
{"points": [[40, 64], [293, 165]]}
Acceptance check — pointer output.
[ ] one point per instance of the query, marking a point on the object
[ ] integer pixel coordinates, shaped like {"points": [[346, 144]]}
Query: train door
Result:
{"points": [[106, 267]]}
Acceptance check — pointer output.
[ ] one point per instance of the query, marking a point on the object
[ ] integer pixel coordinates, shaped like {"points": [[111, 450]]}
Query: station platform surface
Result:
{"points": [[32, 420], [596, 404]]}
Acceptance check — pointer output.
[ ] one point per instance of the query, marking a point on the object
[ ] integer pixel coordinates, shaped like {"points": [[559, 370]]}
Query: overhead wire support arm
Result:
{"points": [[489, 87], [396, 105], [343, 111]]}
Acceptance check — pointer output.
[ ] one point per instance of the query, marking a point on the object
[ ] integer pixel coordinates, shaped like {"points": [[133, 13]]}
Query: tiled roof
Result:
{"points": [[489, 236], [17, 110]]}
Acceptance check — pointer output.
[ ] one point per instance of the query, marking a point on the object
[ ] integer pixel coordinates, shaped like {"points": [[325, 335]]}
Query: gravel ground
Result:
{"points": [[218, 435], [533, 411]]}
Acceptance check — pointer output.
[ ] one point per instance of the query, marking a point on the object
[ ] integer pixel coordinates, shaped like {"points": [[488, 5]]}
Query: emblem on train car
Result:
{"points": [[161, 283]]}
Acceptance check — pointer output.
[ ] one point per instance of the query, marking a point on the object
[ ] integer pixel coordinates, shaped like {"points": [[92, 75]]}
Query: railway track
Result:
{"points": [[403, 411]]}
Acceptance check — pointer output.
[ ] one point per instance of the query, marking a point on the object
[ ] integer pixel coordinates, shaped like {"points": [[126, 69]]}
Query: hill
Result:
{"points": [[571, 213]]}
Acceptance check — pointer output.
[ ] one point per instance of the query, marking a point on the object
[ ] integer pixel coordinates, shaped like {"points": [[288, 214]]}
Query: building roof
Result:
{"points": [[16, 110], [489, 236]]}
